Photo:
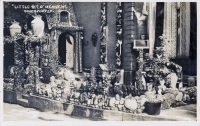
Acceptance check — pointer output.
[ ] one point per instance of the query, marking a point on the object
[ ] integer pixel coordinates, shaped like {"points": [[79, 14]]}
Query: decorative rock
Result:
{"points": [[121, 102], [179, 97], [142, 96], [52, 82], [188, 98], [143, 101], [116, 102], [82, 97], [120, 107], [96, 100], [54, 92], [100, 104], [64, 96], [175, 92], [138, 111], [184, 97], [89, 101], [174, 80], [131, 104], [117, 97], [112, 102]]}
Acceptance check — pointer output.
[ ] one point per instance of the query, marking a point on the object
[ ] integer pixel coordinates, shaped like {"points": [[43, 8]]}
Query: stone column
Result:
{"points": [[76, 54], [129, 34], [152, 26], [184, 29], [170, 29], [80, 52]]}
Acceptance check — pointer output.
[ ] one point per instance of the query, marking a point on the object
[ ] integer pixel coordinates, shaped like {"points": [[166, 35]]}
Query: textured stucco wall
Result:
{"points": [[111, 39], [88, 15]]}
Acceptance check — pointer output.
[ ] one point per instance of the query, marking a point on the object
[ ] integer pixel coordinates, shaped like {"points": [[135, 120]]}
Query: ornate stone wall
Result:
{"points": [[54, 17], [103, 37], [77, 35]]}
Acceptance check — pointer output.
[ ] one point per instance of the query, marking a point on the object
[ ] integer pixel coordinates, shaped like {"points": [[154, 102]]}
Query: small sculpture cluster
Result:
{"points": [[103, 33], [119, 33]]}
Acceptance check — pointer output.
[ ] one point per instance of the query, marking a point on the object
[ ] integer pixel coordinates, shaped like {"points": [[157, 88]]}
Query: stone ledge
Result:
{"points": [[68, 108], [11, 96], [94, 113], [112, 115], [45, 103], [80, 111], [23, 102]]}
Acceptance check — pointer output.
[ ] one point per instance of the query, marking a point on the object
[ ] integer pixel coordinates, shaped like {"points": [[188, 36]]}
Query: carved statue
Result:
{"points": [[141, 14], [119, 33], [118, 62], [103, 56], [118, 48], [103, 37], [103, 8]]}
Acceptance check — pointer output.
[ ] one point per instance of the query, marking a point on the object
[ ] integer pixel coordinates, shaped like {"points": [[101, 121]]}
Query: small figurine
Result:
{"points": [[94, 38], [52, 82], [118, 62]]}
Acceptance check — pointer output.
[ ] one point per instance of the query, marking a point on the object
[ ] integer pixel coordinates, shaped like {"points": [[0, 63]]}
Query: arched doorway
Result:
{"points": [[66, 49]]}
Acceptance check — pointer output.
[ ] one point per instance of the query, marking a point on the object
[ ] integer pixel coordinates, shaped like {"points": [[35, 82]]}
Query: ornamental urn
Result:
{"points": [[37, 26], [15, 28]]}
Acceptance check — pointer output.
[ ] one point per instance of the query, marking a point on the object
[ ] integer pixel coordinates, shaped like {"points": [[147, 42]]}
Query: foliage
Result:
{"points": [[156, 65]]}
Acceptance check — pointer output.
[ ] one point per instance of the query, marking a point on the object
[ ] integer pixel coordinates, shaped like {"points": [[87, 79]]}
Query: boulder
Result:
{"points": [[131, 104]]}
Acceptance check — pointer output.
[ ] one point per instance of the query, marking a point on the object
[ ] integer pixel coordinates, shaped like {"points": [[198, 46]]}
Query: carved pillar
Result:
{"points": [[129, 34], [119, 34], [152, 26], [80, 52], [19, 64], [76, 45], [184, 29], [54, 47], [103, 29], [170, 29]]}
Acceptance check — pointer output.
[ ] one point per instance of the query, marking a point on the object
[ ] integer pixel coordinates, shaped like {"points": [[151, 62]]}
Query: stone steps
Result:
{"points": [[25, 96], [23, 102]]}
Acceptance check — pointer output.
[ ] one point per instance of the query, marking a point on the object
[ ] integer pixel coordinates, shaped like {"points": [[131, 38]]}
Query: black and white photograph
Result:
{"points": [[99, 61]]}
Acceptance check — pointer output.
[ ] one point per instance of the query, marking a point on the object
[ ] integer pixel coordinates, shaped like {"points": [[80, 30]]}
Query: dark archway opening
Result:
{"points": [[63, 38], [159, 22], [8, 58], [193, 31]]}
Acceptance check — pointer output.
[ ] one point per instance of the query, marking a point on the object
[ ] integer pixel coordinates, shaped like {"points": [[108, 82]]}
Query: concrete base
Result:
{"points": [[45, 103], [11, 96], [144, 117], [79, 111], [101, 114], [68, 108], [23, 102]]}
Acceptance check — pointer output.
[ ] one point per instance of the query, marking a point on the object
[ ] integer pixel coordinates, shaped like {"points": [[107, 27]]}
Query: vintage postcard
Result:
{"points": [[99, 61]]}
